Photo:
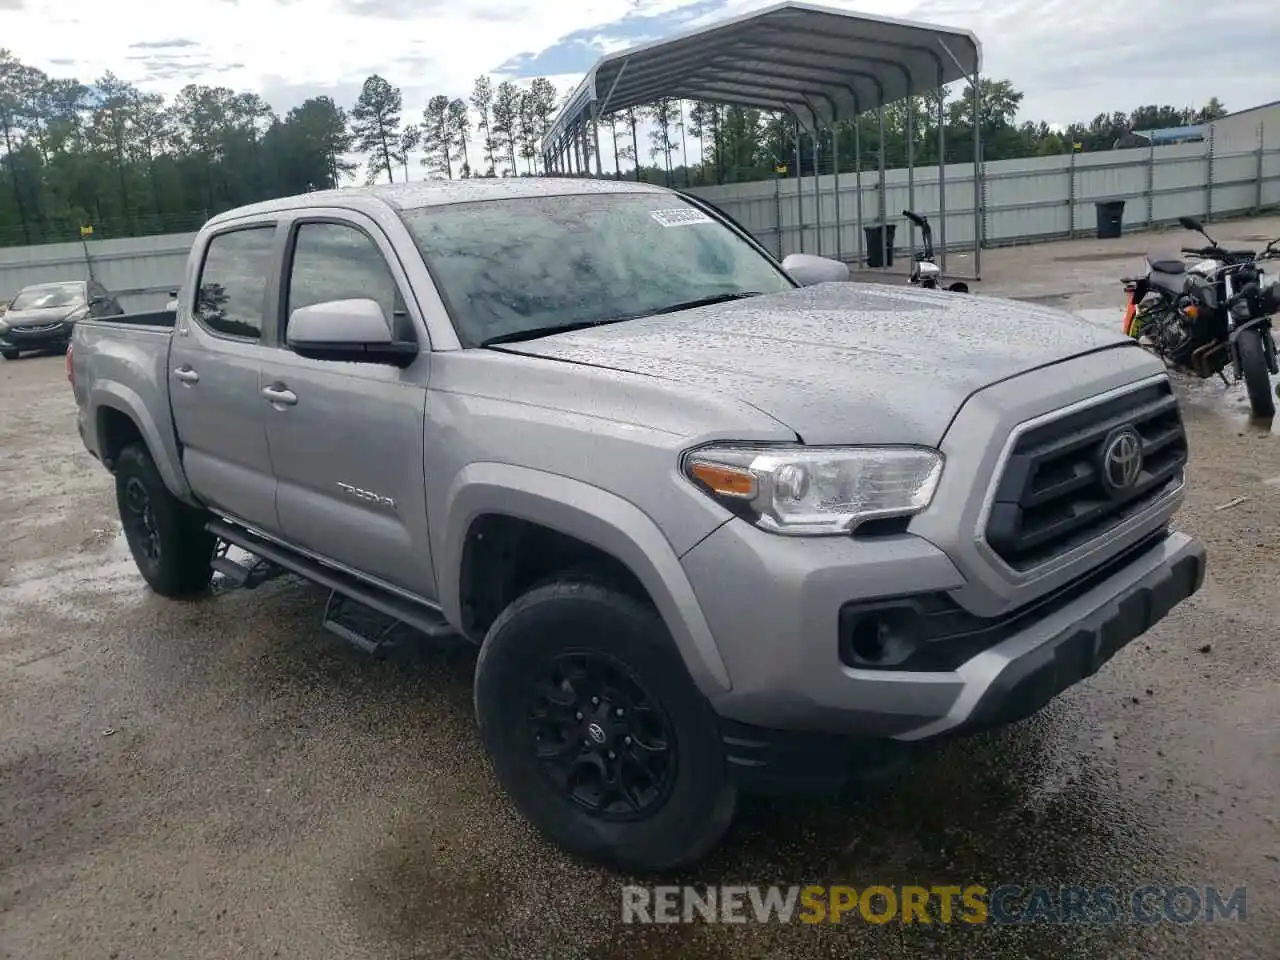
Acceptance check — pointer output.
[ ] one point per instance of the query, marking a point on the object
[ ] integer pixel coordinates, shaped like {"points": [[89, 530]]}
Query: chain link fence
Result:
{"points": [[42, 230]]}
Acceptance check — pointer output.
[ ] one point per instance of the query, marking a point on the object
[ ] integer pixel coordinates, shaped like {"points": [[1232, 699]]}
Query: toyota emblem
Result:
{"points": [[1121, 460]]}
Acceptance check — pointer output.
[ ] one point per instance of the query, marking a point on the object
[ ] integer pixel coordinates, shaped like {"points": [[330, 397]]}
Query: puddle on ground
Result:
{"points": [[64, 582]]}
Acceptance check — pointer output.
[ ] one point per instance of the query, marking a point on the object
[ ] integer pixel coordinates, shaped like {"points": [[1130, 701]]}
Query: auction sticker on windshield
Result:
{"points": [[680, 217]]}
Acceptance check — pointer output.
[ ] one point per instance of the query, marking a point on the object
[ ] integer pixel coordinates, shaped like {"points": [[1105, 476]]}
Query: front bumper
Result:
{"points": [[773, 605], [19, 338]]}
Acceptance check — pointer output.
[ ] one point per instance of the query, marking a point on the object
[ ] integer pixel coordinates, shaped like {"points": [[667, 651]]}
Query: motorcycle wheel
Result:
{"points": [[1254, 372]]}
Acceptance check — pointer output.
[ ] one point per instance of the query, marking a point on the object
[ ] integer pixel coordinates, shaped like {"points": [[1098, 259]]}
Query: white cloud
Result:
{"points": [[292, 45], [1072, 58]]}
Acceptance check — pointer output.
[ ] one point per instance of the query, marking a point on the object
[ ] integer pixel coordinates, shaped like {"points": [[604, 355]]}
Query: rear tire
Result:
{"points": [[597, 732], [1256, 375], [166, 536], [9, 354]]}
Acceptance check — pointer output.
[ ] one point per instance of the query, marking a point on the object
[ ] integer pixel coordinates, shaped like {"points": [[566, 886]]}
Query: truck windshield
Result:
{"points": [[49, 295], [541, 263]]}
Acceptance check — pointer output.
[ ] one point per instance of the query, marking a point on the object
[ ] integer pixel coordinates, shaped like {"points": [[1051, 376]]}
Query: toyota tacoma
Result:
{"points": [[716, 523]]}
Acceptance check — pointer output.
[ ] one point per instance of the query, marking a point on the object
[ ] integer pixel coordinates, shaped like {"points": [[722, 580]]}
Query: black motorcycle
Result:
{"points": [[924, 272], [1214, 314]]}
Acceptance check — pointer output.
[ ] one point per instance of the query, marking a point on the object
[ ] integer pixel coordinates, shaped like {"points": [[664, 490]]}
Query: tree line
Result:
{"points": [[131, 163]]}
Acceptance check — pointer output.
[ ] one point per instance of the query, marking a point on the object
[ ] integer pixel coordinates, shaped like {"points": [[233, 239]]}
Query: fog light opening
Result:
{"points": [[869, 639]]}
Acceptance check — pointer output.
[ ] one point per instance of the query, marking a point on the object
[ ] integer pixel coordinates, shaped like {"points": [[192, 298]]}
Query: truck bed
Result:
{"points": [[146, 318], [120, 365]]}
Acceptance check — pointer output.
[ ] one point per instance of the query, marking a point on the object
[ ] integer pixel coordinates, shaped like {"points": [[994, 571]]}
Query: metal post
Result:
{"points": [[977, 175], [1262, 142], [942, 179], [799, 191], [911, 169], [1208, 200], [88, 261], [883, 206], [857, 178], [1151, 185], [586, 150], [595, 135], [577, 157], [1071, 194], [835, 173], [777, 206], [817, 185]]}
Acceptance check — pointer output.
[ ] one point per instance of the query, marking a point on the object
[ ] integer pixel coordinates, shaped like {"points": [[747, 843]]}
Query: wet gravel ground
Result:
{"points": [[223, 778]]}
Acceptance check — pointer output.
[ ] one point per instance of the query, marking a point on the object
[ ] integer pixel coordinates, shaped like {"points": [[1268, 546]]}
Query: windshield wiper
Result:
{"points": [[705, 302], [533, 333]]}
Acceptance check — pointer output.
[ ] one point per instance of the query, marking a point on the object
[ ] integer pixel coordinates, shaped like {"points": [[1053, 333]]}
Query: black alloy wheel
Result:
{"points": [[599, 736], [139, 520]]}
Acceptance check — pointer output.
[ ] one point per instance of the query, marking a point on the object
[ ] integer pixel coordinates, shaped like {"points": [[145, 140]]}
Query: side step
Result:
{"points": [[343, 588], [244, 576]]}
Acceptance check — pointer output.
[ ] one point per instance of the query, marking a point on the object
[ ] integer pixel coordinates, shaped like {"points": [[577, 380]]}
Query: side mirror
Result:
{"points": [[97, 300], [1190, 223], [355, 331], [807, 270]]}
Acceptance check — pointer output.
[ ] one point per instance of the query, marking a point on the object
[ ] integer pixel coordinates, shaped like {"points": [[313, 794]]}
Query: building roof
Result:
{"points": [[1174, 134], [818, 63]]}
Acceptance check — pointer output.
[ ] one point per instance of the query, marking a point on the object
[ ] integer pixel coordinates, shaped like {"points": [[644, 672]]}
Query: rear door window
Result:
{"points": [[231, 298]]}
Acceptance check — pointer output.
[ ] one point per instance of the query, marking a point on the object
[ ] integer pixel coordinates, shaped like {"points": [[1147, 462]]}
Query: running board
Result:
{"points": [[419, 616], [243, 576]]}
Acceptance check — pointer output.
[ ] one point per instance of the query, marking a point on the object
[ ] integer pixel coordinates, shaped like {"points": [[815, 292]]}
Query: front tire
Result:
{"points": [[166, 536], [596, 730], [1255, 373]]}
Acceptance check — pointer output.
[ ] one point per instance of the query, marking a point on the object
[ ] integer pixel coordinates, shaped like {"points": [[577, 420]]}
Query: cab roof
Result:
{"points": [[438, 193]]}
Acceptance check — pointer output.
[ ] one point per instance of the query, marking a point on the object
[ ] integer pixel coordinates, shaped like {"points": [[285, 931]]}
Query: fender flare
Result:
{"points": [[594, 516], [116, 396]]}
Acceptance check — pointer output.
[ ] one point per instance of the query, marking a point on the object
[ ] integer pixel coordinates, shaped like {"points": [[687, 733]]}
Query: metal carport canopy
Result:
{"points": [[818, 63]]}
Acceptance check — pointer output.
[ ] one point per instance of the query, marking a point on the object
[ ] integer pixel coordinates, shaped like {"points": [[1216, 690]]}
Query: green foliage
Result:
{"points": [[739, 144], [375, 126]]}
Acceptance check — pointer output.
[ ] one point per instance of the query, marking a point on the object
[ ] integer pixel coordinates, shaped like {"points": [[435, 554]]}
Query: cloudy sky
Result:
{"points": [[1072, 58]]}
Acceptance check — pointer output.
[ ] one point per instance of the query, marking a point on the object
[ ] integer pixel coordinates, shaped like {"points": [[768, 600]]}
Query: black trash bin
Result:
{"points": [[1110, 219], [878, 249]]}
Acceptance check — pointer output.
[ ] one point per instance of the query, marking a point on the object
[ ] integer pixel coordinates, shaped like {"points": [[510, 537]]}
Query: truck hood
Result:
{"points": [[840, 362], [39, 317]]}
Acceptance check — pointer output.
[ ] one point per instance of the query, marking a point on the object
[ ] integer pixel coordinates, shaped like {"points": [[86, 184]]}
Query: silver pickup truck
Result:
{"points": [[716, 523]]}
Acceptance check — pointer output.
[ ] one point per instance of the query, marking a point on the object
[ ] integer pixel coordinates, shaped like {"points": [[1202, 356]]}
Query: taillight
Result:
{"points": [[71, 371], [1130, 313]]}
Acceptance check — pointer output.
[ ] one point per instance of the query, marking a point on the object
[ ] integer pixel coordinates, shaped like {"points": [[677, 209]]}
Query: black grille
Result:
{"points": [[36, 328], [1052, 496]]}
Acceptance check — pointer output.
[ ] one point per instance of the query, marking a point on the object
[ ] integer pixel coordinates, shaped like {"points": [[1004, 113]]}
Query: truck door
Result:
{"points": [[347, 438], [214, 370]]}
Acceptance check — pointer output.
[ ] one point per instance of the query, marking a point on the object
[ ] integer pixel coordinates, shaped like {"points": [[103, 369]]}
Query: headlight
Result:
{"points": [[816, 490]]}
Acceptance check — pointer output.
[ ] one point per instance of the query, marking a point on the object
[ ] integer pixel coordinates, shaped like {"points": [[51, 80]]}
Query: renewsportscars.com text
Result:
{"points": [[973, 904]]}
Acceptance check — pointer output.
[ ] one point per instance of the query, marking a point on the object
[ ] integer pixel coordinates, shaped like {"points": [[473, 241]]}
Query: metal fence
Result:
{"points": [[140, 271], [1020, 201]]}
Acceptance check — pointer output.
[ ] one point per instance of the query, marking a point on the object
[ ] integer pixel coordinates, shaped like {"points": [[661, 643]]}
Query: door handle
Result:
{"points": [[278, 394], [186, 375]]}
